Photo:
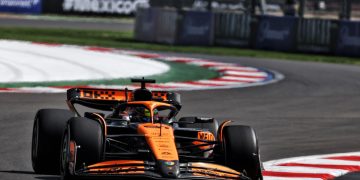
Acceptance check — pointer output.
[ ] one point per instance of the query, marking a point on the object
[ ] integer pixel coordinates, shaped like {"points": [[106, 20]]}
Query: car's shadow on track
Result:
{"points": [[41, 176], [17, 172], [48, 178], [350, 176]]}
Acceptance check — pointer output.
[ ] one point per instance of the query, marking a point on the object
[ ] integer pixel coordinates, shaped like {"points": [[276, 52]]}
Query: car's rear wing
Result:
{"points": [[107, 99]]}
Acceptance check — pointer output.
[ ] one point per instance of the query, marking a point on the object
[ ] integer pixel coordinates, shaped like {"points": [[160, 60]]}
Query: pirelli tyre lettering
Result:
{"points": [[103, 6]]}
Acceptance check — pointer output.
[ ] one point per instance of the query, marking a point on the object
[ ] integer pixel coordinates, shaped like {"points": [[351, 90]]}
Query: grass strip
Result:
{"points": [[121, 39]]}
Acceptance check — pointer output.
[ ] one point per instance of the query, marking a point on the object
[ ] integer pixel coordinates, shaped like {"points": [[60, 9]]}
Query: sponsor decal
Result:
{"points": [[165, 153], [96, 94], [169, 163], [125, 7], [273, 34], [21, 6], [348, 42], [195, 29], [125, 170], [164, 146], [20, 3], [221, 5], [277, 33], [206, 136], [346, 39]]}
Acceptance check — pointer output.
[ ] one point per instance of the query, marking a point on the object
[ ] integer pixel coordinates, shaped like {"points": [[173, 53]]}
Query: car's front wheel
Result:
{"points": [[241, 151], [85, 138]]}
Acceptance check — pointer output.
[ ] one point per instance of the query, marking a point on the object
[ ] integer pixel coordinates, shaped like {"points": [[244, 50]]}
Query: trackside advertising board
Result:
{"points": [[196, 28], [145, 24], [276, 33], [348, 38], [21, 6], [123, 7]]}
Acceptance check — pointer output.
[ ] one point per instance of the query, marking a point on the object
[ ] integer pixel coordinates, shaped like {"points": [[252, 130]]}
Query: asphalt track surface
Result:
{"points": [[314, 110]]}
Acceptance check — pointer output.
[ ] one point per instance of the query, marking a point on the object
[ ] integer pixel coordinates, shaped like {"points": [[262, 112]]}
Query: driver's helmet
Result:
{"points": [[147, 115]]}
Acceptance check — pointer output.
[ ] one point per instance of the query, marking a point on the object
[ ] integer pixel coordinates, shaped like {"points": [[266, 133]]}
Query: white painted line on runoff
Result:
{"points": [[58, 62], [319, 167], [28, 62]]}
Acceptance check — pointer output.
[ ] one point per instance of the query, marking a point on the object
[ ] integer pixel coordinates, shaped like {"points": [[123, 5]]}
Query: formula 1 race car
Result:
{"points": [[134, 134]]}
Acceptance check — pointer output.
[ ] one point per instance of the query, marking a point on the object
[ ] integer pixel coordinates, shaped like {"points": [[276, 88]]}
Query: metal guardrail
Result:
{"points": [[173, 26], [196, 28], [237, 29], [315, 33], [232, 28], [145, 24], [166, 26]]}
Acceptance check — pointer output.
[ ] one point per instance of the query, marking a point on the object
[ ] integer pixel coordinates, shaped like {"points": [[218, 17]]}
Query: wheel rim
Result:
{"points": [[64, 154]]}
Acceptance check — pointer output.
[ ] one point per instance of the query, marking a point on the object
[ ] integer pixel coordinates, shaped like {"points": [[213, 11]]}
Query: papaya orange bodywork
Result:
{"points": [[213, 170], [213, 166], [120, 167], [161, 140], [202, 135], [221, 127], [159, 155], [114, 95], [116, 162], [72, 147]]}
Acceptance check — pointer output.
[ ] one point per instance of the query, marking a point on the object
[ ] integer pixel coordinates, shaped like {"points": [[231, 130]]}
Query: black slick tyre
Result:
{"points": [[89, 139], [241, 151], [49, 126]]}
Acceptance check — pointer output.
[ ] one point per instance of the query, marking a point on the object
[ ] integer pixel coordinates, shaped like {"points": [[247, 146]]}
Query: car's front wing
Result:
{"points": [[142, 169]]}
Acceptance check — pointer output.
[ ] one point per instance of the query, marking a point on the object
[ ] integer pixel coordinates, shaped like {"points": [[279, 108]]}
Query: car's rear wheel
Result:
{"points": [[49, 126], [241, 151], [88, 136]]}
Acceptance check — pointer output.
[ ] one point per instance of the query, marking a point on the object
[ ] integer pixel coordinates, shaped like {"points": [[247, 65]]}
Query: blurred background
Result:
{"points": [[311, 26], [317, 100]]}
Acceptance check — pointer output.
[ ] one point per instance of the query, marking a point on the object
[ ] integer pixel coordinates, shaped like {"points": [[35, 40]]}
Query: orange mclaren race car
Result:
{"points": [[135, 134]]}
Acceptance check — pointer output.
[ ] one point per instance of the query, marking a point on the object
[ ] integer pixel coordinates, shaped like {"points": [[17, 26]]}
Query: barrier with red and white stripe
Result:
{"points": [[319, 167], [230, 75]]}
